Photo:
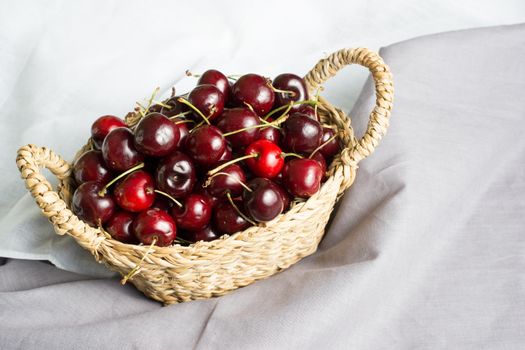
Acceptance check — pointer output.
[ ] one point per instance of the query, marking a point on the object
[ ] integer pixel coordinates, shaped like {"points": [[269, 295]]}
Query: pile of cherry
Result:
{"points": [[215, 161]]}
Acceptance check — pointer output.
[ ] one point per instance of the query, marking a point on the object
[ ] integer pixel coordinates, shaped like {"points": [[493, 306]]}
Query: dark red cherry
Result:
{"points": [[302, 177], [317, 156], [236, 119], [136, 192], [227, 220], [176, 107], [217, 79], [269, 133], [90, 166], [292, 83], [208, 99], [119, 150], [162, 203], [203, 191], [184, 131], [221, 184], [287, 199], [156, 135], [206, 145], [301, 134], [254, 90], [331, 148], [154, 224], [194, 214], [120, 227], [91, 207], [176, 175], [269, 161], [307, 110], [227, 155], [102, 127], [206, 234], [264, 202]]}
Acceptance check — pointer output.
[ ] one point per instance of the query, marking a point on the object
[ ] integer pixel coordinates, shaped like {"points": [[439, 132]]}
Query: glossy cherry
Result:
{"points": [[227, 220], [184, 131], [217, 79], [195, 213], [236, 119], [287, 199], [208, 99], [296, 87], [120, 227], [90, 206], [317, 156], [206, 145], [269, 160], [227, 154], [136, 192], [119, 150], [203, 191], [307, 110], [155, 224], [265, 201], [176, 175], [270, 133], [156, 135], [102, 127], [332, 147], [254, 90], [220, 184], [206, 234], [90, 166], [301, 134], [302, 177]]}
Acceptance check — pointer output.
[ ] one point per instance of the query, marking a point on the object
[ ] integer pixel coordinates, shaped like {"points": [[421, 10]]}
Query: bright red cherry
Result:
{"points": [[206, 145], [194, 214], [292, 83], [208, 99], [102, 127], [217, 79], [90, 206], [331, 148], [302, 177], [206, 234], [90, 166], [176, 175], [119, 150], [120, 227], [269, 160], [155, 224], [156, 135], [235, 119], [136, 192], [301, 134], [264, 202], [227, 220], [255, 91], [220, 184]]}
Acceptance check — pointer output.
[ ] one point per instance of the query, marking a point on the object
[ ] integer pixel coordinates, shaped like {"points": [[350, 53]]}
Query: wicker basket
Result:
{"points": [[206, 269]]}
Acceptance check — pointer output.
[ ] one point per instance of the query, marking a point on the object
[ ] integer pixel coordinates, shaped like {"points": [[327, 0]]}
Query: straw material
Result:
{"points": [[207, 269]]}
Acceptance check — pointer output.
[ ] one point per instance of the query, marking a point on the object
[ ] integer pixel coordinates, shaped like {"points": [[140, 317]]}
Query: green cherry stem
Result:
{"points": [[322, 145], [189, 104], [208, 181], [230, 199], [283, 107], [179, 115], [170, 197], [291, 154], [233, 161], [104, 190]]}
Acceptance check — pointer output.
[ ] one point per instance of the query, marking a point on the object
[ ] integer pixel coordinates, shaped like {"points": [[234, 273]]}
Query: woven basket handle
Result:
{"points": [[30, 160], [379, 117]]}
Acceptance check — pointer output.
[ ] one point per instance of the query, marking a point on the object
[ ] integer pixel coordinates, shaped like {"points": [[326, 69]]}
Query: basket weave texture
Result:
{"points": [[207, 269]]}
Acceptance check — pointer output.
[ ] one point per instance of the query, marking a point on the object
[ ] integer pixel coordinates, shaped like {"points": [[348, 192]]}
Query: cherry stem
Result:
{"points": [[189, 104], [104, 190], [288, 92], [136, 269], [249, 106], [185, 121], [233, 161], [291, 154], [179, 115], [190, 74], [208, 181], [230, 199], [170, 197], [322, 145], [282, 108], [162, 104], [182, 240], [250, 128]]}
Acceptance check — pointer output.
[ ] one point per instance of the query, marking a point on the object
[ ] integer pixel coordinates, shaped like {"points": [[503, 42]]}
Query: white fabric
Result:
{"points": [[65, 63]]}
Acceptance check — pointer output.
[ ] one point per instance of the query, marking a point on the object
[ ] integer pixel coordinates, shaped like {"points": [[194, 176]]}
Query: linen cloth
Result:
{"points": [[426, 250]]}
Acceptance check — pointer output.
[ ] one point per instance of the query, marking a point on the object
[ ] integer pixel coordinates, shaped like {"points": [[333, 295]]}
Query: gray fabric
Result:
{"points": [[426, 249]]}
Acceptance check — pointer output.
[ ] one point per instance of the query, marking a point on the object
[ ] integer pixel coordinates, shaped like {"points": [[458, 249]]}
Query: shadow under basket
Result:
{"points": [[206, 269]]}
